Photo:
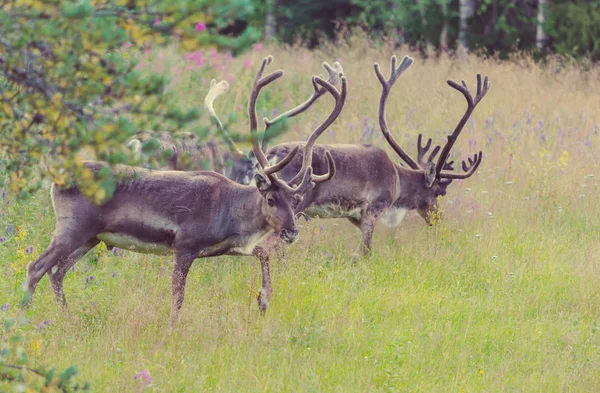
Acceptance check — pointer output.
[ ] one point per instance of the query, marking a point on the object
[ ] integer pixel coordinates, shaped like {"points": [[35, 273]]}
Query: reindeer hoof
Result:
{"points": [[263, 300]]}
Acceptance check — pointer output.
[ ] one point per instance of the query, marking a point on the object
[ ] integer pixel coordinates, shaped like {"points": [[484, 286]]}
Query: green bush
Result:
{"points": [[69, 83], [574, 28]]}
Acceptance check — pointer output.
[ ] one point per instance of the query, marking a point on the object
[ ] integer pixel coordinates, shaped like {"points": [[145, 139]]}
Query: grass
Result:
{"points": [[502, 296]]}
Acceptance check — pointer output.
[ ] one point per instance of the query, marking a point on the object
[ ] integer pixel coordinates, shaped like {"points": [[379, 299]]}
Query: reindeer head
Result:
{"points": [[280, 196], [427, 180], [242, 168]]}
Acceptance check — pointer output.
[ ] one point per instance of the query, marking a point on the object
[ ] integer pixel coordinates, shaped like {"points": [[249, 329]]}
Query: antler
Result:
{"points": [[482, 89], [305, 172], [469, 169], [259, 83], [340, 99], [386, 86], [216, 89], [334, 72], [423, 149]]}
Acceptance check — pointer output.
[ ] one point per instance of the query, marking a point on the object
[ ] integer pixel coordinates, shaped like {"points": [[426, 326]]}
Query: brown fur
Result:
{"points": [[186, 153], [367, 185], [189, 214]]}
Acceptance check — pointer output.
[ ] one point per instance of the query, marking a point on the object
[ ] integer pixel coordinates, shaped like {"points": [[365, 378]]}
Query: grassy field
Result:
{"points": [[502, 296]]}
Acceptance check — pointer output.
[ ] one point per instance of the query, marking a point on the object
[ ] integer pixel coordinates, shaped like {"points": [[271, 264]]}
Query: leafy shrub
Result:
{"points": [[67, 86], [574, 28]]}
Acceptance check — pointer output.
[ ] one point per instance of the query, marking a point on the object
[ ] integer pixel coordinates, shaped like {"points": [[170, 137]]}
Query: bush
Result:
{"points": [[67, 84], [574, 28]]}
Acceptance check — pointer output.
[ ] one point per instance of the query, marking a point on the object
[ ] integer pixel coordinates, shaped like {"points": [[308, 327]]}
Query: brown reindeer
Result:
{"points": [[186, 152], [188, 214], [369, 186]]}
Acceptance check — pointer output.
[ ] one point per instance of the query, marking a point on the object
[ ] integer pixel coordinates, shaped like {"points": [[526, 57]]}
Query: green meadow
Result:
{"points": [[501, 295]]}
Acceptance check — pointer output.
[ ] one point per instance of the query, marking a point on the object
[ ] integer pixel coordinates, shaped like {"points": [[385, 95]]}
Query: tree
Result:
{"points": [[67, 85], [422, 11], [466, 11], [541, 38], [270, 21], [444, 31], [574, 28]]}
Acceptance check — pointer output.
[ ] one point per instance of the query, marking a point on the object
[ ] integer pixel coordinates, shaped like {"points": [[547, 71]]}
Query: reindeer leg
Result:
{"points": [[264, 295], [181, 267], [366, 225], [58, 272], [60, 248]]}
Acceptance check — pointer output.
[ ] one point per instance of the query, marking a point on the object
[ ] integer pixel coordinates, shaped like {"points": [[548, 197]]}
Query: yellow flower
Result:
{"points": [[22, 234], [86, 174], [35, 347], [564, 158], [99, 195]]}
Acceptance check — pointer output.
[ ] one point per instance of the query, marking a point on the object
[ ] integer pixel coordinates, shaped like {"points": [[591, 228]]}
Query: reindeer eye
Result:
{"points": [[271, 202]]}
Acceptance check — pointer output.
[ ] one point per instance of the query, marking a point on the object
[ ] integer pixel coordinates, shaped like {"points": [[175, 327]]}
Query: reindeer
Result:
{"points": [[369, 186], [186, 152], [188, 214]]}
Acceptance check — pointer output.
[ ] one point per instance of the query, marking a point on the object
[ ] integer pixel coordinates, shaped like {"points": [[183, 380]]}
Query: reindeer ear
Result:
{"points": [[262, 183], [430, 174]]}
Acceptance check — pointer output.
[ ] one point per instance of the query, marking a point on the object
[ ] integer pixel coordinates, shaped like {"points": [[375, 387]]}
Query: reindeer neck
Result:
{"points": [[412, 187], [250, 210]]}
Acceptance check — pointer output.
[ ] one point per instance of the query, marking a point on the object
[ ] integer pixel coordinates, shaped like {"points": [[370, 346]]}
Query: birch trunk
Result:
{"points": [[466, 11], [444, 32], [541, 38], [270, 24]]}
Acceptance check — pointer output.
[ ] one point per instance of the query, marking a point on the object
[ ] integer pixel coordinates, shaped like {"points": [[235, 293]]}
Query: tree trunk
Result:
{"points": [[444, 32], [466, 11], [541, 38], [270, 23]]}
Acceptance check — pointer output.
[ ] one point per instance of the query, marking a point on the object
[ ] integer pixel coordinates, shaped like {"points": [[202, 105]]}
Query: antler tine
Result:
{"points": [[469, 169], [334, 74], [216, 89], [447, 166], [296, 110], [340, 100], [331, 170], [481, 90], [259, 83], [423, 149], [471, 104], [386, 86]]}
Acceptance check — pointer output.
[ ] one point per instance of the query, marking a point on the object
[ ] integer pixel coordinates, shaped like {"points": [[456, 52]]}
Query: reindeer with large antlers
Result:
{"points": [[187, 153], [188, 214], [369, 186]]}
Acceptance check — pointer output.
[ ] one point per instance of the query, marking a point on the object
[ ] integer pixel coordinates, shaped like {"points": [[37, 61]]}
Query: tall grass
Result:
{"points": [[502, 295]]}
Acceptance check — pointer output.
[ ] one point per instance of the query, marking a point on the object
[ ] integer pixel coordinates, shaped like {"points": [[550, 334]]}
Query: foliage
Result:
{"points": [[502, 26], [70, 81], [414, 23], [498, 26], [17, 373], [501, 296], [311, 20], [574, 28]]}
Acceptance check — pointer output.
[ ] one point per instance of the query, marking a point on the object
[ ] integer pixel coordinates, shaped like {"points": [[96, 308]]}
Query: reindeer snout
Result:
{"points": [[289, 235]]}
